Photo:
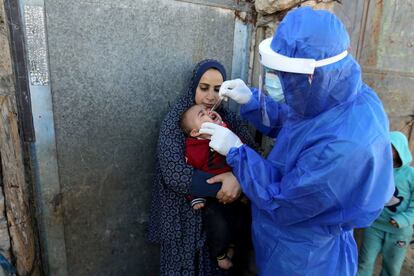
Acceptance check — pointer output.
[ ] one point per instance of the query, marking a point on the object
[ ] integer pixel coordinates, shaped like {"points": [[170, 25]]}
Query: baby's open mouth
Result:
{"points": [[213, 116]]}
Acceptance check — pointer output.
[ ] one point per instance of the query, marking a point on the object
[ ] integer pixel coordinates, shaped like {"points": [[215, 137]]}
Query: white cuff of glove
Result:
{"points": [[238, 144], [222, 139]]}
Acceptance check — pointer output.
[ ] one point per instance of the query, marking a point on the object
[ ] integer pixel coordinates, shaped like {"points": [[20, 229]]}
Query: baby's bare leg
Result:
{"points": [[198, 206], [225, 261]]}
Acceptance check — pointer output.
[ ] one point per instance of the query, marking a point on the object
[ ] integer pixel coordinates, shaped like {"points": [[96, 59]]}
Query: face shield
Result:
{"points": [[279, 74], [270, 87]]}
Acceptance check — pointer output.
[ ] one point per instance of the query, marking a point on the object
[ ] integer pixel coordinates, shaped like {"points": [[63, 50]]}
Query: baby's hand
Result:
{"points": [[198, 206], [394, 223]]}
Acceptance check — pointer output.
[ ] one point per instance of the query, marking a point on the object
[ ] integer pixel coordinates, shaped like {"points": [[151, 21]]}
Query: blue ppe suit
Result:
{"points": [[331, 167]]}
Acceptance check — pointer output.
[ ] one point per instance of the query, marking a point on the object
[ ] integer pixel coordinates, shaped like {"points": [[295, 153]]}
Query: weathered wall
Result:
{"points": [[6, 89], [386, 57], [6, 76], [17, 231], [115, 67], [382, 41], [16, 190]]}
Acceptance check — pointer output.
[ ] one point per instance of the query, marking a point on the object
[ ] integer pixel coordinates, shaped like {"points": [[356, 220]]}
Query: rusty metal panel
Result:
{"points": [[389, 37], [386, 56], [238, 5], [395, 91], [351, 13]]}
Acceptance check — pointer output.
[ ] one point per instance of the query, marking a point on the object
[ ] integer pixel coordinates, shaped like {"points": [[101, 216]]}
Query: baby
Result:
{"points": [[197, 151], [221, 221]]}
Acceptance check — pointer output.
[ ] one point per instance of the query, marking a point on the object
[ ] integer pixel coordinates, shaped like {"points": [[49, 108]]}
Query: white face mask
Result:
{"points": [[274, 87]]}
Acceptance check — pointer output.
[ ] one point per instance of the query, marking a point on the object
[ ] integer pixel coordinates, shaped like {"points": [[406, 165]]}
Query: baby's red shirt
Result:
{"points": [[201, 157]]}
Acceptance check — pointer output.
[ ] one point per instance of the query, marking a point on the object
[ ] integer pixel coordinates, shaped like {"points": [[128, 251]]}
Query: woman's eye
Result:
{"points": [[217, 89], [204, 88]]}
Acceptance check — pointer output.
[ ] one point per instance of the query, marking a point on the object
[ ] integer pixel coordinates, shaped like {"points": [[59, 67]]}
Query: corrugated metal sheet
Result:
{"points": [[387, 58], [383, 42]]}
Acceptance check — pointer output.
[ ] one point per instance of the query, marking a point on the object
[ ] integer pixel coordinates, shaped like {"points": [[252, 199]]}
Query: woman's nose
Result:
{"points": [[211, 95]]}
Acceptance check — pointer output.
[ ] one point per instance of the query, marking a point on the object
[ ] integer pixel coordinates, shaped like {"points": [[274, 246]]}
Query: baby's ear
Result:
{"points": [[194, 133]]}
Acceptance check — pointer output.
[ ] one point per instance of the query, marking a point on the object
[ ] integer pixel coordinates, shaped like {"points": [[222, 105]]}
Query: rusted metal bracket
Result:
{"points": [[237, 5]]}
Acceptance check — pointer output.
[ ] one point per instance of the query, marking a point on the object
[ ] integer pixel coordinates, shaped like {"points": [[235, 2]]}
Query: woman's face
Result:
{"points": [[207, 92]]}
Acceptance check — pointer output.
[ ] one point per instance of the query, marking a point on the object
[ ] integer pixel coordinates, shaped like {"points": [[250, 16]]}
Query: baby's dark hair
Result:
{"points": [[183, 118]]}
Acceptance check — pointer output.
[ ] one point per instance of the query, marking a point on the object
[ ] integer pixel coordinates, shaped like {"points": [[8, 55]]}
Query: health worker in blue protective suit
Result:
{"points": [[330, 169]]}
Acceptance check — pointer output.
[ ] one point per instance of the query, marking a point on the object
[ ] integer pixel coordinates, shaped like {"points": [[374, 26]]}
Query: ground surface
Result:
{"points": [[408, 266]]}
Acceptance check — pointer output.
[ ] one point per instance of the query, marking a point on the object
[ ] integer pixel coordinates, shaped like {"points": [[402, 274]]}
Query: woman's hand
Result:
{"points": [[230, 189]]}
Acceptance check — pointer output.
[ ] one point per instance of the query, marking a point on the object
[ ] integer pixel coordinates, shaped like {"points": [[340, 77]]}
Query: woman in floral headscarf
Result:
{"points": [[173, 223]]}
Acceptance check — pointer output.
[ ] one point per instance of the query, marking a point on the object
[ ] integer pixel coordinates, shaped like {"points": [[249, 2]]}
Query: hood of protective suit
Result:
{"points": [[332, 84], [400, 143]]}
